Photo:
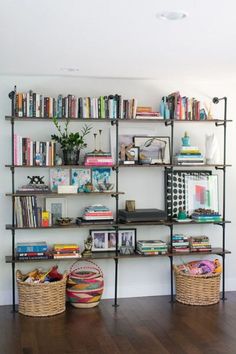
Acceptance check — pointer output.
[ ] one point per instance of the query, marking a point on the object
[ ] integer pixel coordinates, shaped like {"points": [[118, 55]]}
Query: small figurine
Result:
{"points": [[87, 252], [58, 160], [182, 214], [185, 140]]}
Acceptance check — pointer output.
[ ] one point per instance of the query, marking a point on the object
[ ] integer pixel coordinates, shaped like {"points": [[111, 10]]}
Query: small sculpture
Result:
{"points": [[182, 214], [185, 140], [88, 243], [36, 180], [58, 160]]}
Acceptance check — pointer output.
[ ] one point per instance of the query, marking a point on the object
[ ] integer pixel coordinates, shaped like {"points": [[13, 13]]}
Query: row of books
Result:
{"points": [[151, 247], [33, 153], [28, 214], [33, 104], [184, 108]]}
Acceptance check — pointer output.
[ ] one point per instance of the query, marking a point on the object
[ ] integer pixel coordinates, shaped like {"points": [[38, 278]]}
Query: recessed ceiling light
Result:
{"points": [[70, 70], [171, 15]]}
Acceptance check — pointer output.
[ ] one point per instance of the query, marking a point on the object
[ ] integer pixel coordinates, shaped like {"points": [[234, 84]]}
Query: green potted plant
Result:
{"points": [[71, 143]]}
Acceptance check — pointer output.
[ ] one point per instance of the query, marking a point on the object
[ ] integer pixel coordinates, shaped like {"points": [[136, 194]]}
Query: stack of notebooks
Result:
{"points": [[32, 251], [202, 216], [189, 155], [98, 159], [66, 250], [147, 113], [97, 212], [180, 243], [199, 244], [151, 247]]}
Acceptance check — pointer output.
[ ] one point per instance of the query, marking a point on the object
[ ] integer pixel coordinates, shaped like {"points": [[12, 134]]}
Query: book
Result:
{"points": [[80, 177], [24, 247], [46, 219]]}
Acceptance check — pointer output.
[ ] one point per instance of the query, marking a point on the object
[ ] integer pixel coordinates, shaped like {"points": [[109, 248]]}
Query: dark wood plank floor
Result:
{"points": [[140, 325]]}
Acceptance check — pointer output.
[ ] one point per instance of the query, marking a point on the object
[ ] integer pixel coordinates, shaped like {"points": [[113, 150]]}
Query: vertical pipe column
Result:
{"points": [[224, 187]]}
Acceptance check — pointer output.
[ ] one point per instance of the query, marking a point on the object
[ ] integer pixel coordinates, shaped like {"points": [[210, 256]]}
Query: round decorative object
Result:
{"points": [[85, 285], [64, 221]]}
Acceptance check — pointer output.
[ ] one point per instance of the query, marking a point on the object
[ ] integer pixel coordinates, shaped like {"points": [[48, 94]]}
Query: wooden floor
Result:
{"points": [[139, 325]]}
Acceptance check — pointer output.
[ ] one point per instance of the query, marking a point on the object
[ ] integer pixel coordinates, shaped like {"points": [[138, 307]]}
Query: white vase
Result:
{"points": [[212, 150]]}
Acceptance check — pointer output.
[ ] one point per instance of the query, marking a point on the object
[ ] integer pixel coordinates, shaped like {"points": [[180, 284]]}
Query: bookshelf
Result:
{"points": [[117, 168]]}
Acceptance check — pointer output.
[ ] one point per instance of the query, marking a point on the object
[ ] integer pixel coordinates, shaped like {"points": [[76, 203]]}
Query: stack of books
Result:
{"points": [[180, 243], [32, 251], [97, 212], [147, 113], [202, 215], [199, 244], [66, 250], [98, 159], [151, 247], [190, 155]]}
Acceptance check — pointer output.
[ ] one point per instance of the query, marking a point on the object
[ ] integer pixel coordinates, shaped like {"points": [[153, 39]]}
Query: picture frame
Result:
{"points": [[104, 240], [132, 155], [59, 177], [80, 177], [57, 207], [153, 149]]}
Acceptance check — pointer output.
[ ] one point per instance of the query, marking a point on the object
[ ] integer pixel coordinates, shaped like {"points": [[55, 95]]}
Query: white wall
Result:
{"points": [[137, 277]]}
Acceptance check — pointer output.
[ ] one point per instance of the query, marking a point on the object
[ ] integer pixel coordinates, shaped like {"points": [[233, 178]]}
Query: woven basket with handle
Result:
{"points": [[197, 289], [85, 285], [41, 299]]}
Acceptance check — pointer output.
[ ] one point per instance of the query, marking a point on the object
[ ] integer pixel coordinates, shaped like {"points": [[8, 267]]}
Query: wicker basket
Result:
{"points": [[85, 285], [45, 299], [197, 289]]}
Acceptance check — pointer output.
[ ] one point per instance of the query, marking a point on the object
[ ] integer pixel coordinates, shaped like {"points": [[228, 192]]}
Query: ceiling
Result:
{"points": [[108, 38]]}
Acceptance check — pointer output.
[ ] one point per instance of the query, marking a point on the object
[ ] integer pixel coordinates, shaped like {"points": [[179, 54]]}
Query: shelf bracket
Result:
{"points": [[220, 168], [114, 122], [169, 122], [220, 124]]}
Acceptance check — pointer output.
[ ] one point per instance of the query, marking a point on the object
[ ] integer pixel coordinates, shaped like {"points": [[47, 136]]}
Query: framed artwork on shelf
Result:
{"points": [[105, 240], [59, 177], [57, 207], [153, 149], [201, 192], [80, 177], [178, 192], [101, 178]]}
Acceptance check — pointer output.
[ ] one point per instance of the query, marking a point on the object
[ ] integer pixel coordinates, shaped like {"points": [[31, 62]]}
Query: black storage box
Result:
{"points": [[142, 215]]}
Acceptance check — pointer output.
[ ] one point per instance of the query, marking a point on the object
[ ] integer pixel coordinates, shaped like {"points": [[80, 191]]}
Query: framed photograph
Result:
{"points": [[57, 207], [132, 154], [127, 237], [105, 240], [153, 149]]}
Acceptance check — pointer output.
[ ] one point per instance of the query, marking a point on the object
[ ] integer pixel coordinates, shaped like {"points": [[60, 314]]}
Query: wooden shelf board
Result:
{"points": [[71, 226], [134, 120], [61, 166], [130, 224], [56, 195], [112, 255], [46, 119]]}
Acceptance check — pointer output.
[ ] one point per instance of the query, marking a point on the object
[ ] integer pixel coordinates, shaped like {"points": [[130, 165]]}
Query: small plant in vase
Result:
{"points": [[71, 143]]}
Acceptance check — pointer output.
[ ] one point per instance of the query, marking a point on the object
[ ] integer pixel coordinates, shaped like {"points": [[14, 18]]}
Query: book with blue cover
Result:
{"points": [[24, 247]]}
